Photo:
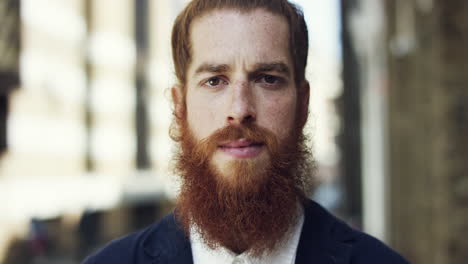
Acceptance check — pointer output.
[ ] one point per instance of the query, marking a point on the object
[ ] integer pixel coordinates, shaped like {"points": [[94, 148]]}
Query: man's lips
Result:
{"points": [[242, 148]]}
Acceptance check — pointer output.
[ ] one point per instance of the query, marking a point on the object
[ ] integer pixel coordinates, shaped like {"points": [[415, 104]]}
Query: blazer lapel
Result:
{"points": [[169, 244], [323, 241]]}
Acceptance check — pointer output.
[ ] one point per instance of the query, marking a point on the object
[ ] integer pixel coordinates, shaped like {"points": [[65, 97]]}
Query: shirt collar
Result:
{"points": [[285, 253]]}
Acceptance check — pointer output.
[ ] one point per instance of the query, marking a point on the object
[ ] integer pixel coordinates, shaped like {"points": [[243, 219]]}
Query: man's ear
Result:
{"points": [[177, 100], [303, 102]]}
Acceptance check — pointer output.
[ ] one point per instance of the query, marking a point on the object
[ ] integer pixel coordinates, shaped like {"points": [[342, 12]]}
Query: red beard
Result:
{"points": [[251, 209]]}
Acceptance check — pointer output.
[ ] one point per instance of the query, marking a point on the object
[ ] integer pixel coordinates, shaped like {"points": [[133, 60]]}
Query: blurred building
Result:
{"points": [[9, 63], [9, 79], [406, 62], [79, 128], [428, 101]]}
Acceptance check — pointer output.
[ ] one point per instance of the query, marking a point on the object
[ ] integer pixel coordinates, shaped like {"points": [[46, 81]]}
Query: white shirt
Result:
{"points": [[285, 253]]}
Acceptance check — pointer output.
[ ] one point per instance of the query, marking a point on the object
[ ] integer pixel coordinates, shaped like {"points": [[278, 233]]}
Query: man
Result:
{"points": [[240, 106]]}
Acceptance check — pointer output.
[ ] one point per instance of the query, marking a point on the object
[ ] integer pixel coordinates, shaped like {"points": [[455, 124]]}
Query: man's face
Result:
{"points": [[241, 127], [241, 74]]}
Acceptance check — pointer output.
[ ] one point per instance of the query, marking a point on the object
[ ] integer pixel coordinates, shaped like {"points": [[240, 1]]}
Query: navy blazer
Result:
{"points": [[324, 240]]}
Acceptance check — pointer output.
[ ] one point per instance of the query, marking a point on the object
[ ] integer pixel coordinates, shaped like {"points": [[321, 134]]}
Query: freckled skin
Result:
{"points": [[239, 40]]}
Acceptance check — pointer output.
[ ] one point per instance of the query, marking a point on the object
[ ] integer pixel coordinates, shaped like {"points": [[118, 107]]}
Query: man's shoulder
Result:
{"points": [[119, 250], [368, 249], [345, 242], [137, 247]]}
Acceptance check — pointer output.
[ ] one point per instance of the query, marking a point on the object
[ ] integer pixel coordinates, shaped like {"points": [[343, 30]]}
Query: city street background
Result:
{"points": [[85, 112]]}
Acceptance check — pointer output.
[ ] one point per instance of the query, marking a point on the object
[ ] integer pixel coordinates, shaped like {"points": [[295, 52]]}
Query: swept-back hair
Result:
{"points": [[298, 35]]}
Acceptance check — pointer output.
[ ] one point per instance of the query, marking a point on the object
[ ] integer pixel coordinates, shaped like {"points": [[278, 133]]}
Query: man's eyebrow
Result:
{"points": [[280, 67], [212, 68], [273, 66]]}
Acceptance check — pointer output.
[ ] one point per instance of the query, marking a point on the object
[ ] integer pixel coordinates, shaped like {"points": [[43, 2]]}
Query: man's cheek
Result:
{"points": [[280, 124], [203, 124]]}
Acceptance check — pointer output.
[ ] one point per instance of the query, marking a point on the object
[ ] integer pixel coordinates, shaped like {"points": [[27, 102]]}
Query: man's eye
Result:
{"points": [[214, 81], [269, 79]]}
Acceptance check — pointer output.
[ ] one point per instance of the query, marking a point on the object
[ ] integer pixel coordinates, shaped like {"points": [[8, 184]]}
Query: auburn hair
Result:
{"points": [[298, 35]]}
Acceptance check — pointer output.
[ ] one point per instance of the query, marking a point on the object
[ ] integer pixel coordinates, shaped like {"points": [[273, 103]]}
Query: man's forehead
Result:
{"points": [[220, 14], [221, 37], [219, 20]]}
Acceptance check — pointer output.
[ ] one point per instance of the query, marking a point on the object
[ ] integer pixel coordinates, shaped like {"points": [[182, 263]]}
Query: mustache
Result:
{"points": [[252, 132]]}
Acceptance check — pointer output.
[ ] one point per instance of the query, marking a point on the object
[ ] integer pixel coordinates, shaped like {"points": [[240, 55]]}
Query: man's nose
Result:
{"points": [[242, 109]]}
